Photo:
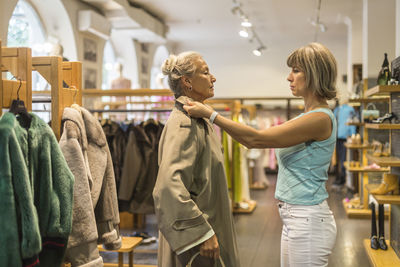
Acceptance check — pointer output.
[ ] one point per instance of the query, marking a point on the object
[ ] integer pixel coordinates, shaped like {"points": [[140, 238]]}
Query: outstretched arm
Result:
{"points": [[314, 126]]}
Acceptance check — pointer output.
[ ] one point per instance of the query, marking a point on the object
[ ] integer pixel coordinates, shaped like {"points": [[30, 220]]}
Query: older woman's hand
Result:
{"points": [[198, 110]]}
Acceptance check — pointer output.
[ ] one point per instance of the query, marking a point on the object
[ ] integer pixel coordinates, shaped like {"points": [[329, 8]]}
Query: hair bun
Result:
{"points": [[169, 65]]}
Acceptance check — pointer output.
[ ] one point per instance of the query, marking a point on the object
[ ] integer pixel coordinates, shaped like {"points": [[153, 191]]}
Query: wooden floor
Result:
{"points": [[258, 234]]}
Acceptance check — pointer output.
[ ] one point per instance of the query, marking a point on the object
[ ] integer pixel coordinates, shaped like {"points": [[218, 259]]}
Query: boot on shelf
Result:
{"points": [[389, 183], [381, 223], [374, 235]]}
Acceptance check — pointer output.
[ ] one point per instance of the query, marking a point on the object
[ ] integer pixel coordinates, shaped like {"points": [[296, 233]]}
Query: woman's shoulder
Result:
{"points": [[180, 118]]}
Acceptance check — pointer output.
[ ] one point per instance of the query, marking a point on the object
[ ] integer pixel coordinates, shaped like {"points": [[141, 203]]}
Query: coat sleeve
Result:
{"points": [[180, 219], [106, 210], [16, 193], [83, 219], [56, 199], [130, 173]]}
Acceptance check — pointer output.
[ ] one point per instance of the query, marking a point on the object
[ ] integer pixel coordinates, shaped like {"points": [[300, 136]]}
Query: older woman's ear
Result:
{"points": [[186, 82]]}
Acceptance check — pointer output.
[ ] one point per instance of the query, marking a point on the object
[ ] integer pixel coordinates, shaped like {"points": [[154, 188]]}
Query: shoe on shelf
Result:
{"points": [[389, 183], [382, 243], [147, 239], [388, 117], [376, 148], [374, 242], [386, 150]]}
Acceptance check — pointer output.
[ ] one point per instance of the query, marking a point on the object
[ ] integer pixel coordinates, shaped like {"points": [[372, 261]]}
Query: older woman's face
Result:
{"points": [[202, 82]]}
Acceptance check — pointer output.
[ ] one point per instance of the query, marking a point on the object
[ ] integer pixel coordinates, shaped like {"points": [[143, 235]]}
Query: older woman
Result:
{"points": [[306, 145], [191, 195]]}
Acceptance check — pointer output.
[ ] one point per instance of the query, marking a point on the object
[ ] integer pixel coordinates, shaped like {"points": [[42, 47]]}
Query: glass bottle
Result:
{"points": [[384, 73]]}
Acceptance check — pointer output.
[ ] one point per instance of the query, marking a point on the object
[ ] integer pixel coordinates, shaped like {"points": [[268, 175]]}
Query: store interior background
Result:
{"points": [[211, 28], [140, 34]]}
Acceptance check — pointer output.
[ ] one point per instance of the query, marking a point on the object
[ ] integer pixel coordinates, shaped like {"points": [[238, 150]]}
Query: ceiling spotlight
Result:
{"points": [[258, 52], [244, 33], [246, 23]]}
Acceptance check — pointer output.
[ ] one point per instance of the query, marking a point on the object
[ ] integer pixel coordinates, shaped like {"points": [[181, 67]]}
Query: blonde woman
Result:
{"points": [[191, 195], [305, 146]]}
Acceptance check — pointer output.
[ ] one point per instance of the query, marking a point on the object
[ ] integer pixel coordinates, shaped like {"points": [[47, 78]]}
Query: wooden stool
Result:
{"points": [[128, 244]]}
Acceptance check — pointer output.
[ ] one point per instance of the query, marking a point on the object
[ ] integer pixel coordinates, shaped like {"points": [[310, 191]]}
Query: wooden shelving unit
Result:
{"points": [[364, 169], [383, 126], [384, 199], [369, 100], [359, 124], [362, 213], [251, 208], [380, 258], [385, 161], [382, 90], [357, 146]]}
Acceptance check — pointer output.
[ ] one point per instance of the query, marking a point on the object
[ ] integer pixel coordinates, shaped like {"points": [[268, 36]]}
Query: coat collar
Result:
{"points": [[93, 127], [87, 124], [72, 114]]}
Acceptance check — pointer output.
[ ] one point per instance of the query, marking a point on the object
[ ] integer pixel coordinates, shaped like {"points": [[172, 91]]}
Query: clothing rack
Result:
{"points": [[17, 61], [55, 71]]}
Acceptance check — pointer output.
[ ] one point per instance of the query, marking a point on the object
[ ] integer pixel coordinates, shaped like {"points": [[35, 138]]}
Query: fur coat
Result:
{"points": [[95, 213], [50, 183]]}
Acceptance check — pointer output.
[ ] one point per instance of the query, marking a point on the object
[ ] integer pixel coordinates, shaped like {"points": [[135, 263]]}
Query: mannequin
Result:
{"points": [[58, 50], [120, 83]]}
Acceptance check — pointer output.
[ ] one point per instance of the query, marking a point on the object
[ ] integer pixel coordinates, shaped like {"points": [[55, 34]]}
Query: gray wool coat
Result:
{"points": [[95, 212], [191, 193]]}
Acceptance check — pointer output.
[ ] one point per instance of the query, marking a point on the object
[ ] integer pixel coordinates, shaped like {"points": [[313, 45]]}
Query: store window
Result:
{"points": [[110, 65], [26, 30]]}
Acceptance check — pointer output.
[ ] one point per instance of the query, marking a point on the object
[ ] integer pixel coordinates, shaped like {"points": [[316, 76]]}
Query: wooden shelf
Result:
{"points": [[259, 187], [356, 213], [360, 124], [363, 169], [383, 126], [251, 208], [379, 257], [385, 161], [383, 199], [127, 92], [382, 90], [369, 100], [355, 146]]}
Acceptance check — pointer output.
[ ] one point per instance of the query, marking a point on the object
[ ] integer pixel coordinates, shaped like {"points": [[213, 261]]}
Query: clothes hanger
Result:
{"points": [[74, 105], [18, 108]]}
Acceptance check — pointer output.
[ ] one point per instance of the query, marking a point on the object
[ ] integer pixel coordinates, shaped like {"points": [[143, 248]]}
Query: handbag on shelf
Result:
{"points": [[198, 253], [370, 113]]}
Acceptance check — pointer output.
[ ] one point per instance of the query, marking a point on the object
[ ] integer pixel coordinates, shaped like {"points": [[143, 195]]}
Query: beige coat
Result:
{"points": [[191, 194], [95, 216]]}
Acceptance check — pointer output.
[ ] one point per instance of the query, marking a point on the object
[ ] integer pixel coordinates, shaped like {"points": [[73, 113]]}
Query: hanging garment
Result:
{"points": [[20, 237], [140, 169], [95, 213], [117, 140], [191, 195], [52, 187]]}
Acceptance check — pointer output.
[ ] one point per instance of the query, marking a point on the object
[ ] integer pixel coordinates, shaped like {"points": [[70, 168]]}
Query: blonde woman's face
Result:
{"points": [[202, 81], [297, 80]]}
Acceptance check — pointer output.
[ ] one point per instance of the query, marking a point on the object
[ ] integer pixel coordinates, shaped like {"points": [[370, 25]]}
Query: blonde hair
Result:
{"points": [[319, 66], [178, 66]]}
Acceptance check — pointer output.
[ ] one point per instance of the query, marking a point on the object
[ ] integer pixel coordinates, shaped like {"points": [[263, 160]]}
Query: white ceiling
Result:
{"points": [[210, 23], [210, 27]]}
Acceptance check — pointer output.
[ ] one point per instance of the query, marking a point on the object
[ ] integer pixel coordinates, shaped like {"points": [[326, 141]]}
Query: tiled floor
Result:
{"points": [[258, 234]]}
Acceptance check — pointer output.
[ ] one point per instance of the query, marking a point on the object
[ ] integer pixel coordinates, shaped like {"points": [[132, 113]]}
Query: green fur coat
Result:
{"points": [[37, 192]]}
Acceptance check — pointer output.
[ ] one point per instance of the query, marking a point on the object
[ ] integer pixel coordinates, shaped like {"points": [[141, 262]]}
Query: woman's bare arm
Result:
{"points": [[314, 126]]}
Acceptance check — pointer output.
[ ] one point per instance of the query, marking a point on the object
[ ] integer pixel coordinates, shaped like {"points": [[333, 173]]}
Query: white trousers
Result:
{"points": [[308, 234]]}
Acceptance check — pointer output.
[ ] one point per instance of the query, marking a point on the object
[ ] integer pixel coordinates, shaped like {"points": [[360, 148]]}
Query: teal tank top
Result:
{"points": [[303, 168]]}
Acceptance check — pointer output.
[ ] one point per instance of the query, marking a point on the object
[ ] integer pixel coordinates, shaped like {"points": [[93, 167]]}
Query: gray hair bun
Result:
{"points": [[169, 65]]}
